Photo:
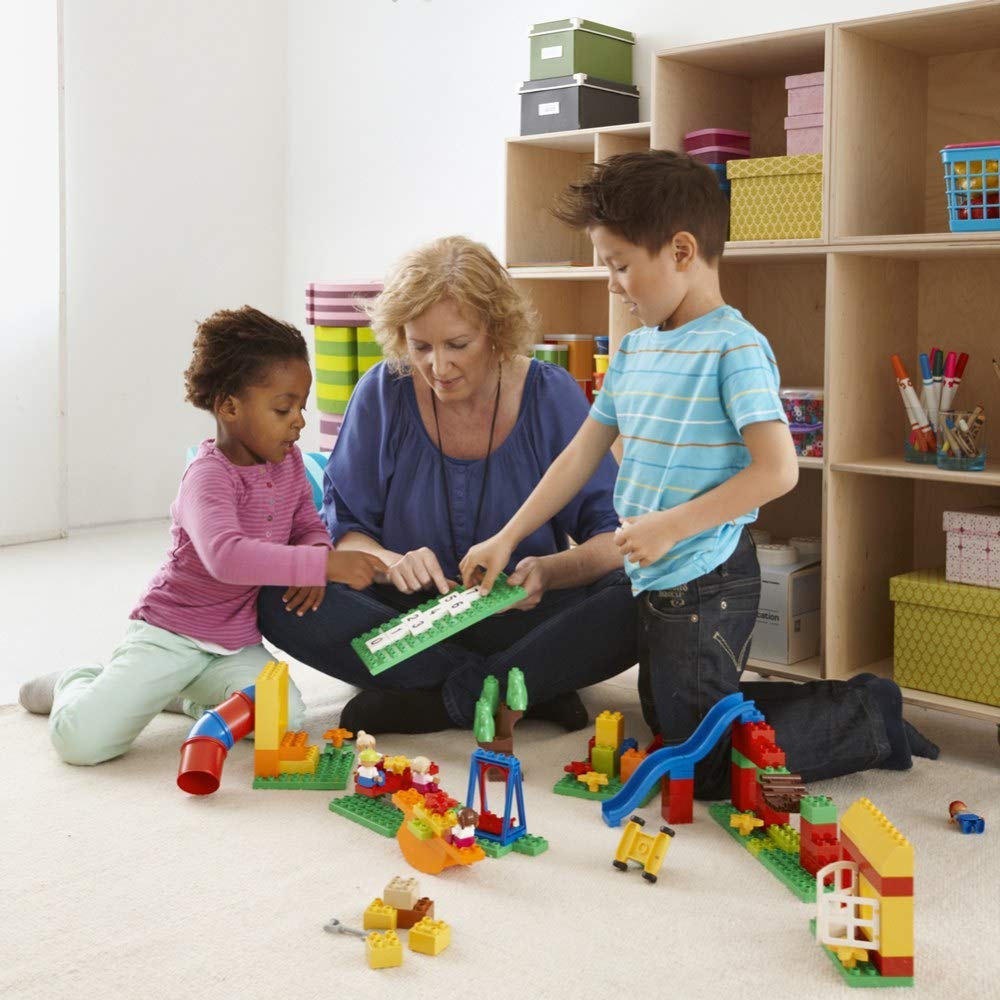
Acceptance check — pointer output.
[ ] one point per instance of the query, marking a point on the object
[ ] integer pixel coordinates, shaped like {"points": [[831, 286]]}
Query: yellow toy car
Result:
{"points": [[643, 848]]}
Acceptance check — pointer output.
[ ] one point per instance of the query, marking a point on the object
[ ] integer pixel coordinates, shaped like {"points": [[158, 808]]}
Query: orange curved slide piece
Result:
{"points": [[430, 856]]}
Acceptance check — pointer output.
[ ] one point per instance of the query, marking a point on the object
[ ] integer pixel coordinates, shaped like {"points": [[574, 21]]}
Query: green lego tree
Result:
{"points": [[517, 691], [483, 725], [491, 693]]}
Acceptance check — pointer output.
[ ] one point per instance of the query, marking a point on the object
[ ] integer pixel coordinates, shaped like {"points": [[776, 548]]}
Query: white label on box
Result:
{"points": [[552, 108], [552, 52]]}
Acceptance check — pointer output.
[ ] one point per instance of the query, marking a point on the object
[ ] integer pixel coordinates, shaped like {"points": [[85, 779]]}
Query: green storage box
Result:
{"points": [[563, 48], [946, 636]]}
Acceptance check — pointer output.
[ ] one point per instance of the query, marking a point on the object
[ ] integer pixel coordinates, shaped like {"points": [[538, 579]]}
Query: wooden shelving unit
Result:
{"points": [[886, 277]]}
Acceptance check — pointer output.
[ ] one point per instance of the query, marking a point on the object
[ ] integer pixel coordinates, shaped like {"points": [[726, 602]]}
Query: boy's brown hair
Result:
{"points": [[648, 198], [233, 349]]}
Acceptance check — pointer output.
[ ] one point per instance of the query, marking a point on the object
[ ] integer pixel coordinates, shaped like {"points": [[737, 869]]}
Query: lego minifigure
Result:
{"points": [[420, 775], [463, 833], [967, 822]]}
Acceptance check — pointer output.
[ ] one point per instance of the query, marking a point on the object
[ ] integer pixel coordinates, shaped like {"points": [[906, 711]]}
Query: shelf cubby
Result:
{"points": [[568, 306]]}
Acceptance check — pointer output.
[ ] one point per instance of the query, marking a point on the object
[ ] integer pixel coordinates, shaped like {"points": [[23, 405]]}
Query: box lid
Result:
{"points": [[804, 121], [578, 80], [804, 80], [974, 521], [775, 166], [579, 24], [929, 587]]}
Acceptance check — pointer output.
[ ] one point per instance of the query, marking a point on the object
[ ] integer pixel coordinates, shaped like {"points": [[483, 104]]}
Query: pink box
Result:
{"points": [[805, 94], [804, 134], [973, 551], [717, 137], [718, 154]]}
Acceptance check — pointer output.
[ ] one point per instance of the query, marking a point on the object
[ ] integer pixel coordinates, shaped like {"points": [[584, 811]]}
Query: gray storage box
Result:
{"points": [[564, 103], [787, 628]]}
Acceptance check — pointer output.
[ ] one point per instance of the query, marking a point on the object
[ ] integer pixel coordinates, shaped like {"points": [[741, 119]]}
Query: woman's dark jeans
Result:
{"points": [[694, 641], [571, 639]]}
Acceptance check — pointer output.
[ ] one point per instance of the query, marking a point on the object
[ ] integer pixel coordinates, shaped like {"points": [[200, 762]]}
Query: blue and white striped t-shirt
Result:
{"points": [[679, 399]]}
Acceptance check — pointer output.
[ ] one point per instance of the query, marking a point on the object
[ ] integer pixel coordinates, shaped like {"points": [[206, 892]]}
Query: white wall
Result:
{"points": [[175, 160], [32, 499]]}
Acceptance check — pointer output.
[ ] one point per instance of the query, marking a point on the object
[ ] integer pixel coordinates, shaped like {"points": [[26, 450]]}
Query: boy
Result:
{"points": [[693, 394]]}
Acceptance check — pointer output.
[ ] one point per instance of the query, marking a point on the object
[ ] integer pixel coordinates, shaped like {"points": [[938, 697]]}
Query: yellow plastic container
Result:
{"points": [[601, 362], [946, 636], [776, 197]]}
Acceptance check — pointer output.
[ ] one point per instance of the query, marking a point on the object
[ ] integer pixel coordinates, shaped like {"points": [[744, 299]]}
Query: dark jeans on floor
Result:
{"points": [[694, 641], [571, 639]]}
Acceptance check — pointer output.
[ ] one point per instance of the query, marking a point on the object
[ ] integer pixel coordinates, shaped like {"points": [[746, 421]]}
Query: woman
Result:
{"points": [[441, 443]]}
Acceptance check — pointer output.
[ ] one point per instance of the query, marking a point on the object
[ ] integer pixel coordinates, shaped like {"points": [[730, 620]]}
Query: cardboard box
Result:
{"points": [[787, 628], [946, 636], [566, 103], [776, 198], [574, 45], [973, 553]]}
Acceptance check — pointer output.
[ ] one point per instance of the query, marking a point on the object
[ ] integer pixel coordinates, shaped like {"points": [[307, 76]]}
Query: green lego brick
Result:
{"points": [[501, 596], [420, 829], [784, 867], [604, 759], [740, 760], [784, 837], [531, 845], [864, 974], [568, 785], [773, 770], [377, 814], [332, 773], [818, 809], [492, 849]]}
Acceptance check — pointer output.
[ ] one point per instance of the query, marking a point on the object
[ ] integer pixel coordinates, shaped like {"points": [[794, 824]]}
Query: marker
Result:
{"points": [[934, 396], [927, 396], [918, 419], [950, 382]]}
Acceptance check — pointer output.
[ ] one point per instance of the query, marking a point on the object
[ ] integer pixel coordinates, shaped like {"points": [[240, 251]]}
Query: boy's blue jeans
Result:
{"points": [[694, 641]]}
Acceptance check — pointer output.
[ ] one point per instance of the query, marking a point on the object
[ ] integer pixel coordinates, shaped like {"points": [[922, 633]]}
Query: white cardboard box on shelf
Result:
{"points": [[787, 628], [973, 551]]}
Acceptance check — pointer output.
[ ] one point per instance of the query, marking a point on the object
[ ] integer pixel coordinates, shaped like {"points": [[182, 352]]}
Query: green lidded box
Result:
{"points": [[573, 45], [946, 636]]}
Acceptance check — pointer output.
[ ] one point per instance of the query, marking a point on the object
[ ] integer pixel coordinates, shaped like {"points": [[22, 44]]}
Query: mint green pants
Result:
{"points": [[97, 713]]}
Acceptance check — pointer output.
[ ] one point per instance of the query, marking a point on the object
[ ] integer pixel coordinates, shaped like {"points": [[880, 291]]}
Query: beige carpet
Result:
{"points": [[116, 885]]}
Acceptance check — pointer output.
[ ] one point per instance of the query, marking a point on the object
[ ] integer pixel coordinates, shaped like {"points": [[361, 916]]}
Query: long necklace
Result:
{"points": [[486, 470]]}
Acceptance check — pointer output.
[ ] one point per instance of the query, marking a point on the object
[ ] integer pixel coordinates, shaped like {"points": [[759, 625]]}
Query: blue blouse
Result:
{"points": [[384, 477]]}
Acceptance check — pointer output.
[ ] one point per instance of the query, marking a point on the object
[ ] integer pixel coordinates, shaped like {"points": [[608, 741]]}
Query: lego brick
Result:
{"points": [[888, 852], [378, 814], [888, 887], [737, 758], [743, 785], [818, 809], [609, 729], [402, 893], [307, 765], [294, 745], [531, 845], [629, 761], [677, 800], [901, 967], [501, 596], [405, 919], [864, 974], [337, 736], [383, 951], [430, 937], [493, 849], [379, 916], [568, 785], [333, 771], [784, 837], [266, 763], [270, 706], [604, 759], [895, 922]]}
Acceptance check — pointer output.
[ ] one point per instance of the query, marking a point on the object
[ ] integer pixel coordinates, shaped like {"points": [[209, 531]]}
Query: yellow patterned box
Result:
{"points": [[947, 636], [776, 197]]}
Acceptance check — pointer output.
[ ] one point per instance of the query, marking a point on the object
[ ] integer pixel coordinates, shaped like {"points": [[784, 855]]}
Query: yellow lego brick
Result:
{"points": [[397, 764], [402, 893], [745, 823], [379, 916], [270, 706], [895, 921], [430, 937], [307, 765], [609, 729], [593, 780], [439, 823], [383, 951], [884, 847]]}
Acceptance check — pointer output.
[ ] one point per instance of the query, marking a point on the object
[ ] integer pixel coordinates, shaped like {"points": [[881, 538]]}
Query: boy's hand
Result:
{"points": [[418, 569], [647, 538], [303, 599], [484, 562], [357, 569], [529, 573]]}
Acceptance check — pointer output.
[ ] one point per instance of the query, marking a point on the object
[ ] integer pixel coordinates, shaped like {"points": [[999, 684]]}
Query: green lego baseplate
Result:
{"points": [[765, 848], [568, 785], [377, 814], [864, 974], [501, 596], [529, 844], [333, 771]]}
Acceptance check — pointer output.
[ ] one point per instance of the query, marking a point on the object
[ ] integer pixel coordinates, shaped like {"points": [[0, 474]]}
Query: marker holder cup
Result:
{"points": [[961, 441]]}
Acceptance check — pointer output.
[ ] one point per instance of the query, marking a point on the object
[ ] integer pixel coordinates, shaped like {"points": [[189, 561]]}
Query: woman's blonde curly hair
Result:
{"points": [[463, 272]]}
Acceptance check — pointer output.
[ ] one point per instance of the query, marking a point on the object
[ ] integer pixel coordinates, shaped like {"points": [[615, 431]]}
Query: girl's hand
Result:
{"points": [[357, 569], [646, 538], [303, 599], [483, 562], [529, 573], [418, 569]]}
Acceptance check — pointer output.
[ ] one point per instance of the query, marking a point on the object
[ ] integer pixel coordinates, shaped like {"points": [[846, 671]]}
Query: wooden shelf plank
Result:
{"points": [[804, 670], [582, 140], [810, 462], [955, 706], [918, 246], [900, 469]]}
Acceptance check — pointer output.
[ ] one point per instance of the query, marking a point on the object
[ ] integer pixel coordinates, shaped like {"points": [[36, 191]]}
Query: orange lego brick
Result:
{"points": [[337, 736]]}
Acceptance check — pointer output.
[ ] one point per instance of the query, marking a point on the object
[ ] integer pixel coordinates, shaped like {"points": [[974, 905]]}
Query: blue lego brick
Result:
{"points": [[501, 596], [864, 974], [333, 771], [378, 814]]}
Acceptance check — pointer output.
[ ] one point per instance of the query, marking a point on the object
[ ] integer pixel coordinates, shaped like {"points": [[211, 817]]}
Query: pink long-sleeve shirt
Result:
{"points": [[235, 529]]}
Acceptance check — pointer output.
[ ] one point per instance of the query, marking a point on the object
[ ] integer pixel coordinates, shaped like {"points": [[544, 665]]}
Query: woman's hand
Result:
{"points": [[418, 569], [303, 599], [485, 561], [648, 537], [357, 569], [531, 574]]}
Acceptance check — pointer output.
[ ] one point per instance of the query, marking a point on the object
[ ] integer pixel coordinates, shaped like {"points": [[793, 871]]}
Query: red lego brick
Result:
{"points": [[892, 966], [491, 823], [578, 767], [677, 800], [656, 743], [439, 802], [743, 784]]}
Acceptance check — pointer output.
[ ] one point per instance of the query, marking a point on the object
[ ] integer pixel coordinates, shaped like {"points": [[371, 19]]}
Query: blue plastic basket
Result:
{"points": [[972, 185]]}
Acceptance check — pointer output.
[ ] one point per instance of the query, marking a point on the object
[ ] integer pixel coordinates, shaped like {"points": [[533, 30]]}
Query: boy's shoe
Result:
{"points": [[36, 695]]}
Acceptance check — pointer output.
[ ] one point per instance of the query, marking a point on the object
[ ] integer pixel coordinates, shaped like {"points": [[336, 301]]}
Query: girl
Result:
{"points": [[243, 517]]}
